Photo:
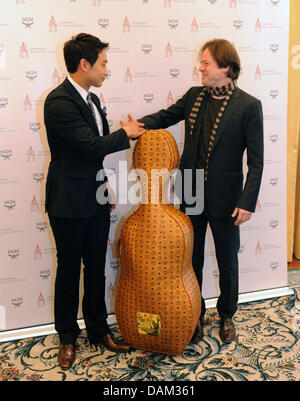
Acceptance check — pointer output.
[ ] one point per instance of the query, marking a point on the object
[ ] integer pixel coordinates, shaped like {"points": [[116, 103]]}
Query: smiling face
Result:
{"points": [[212, 74]]}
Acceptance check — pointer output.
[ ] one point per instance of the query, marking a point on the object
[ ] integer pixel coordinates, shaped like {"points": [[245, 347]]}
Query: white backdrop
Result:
{"points": [[152, 62]]}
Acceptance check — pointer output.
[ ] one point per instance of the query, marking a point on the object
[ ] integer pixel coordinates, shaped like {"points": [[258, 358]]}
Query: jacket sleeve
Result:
{"points": [[167, 117], [255, 158], [64, 120]]}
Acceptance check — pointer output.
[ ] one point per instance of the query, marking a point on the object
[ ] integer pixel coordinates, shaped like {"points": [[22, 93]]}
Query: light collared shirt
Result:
{"points": [[83, 93]]}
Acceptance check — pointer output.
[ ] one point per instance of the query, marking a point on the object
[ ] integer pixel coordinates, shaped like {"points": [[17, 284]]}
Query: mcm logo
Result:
{"points": [[194, 26], [126, 25], [52, 25], [147, 48], [273, 224], [111, 290], [103, 22], [275, 2], [274, 93], [31, 75], [167, 3], [41, 226], [17, 302], [34, 127], [173, 23], [55, 77], [3, 102], [257, 26], [168, 50], [258, 206], [148, 97], [170, 99], [257, 74], [6, 154], [237, 23], [41, 301], [174, 72], [102, 101], [45, 274], [34, 205], [273, 138], [27, 104], [274, 47], [23, 51], [128, 75], [30, 155], [274, 265], [38, 177], [27, 22], [195, 74], [273, 181], [13, 254], [37, 253], [232, 3], [10, 204], [258, 248]]}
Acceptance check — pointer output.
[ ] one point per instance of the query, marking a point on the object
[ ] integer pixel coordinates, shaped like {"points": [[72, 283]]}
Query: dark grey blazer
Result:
{"points": [[77, 152], [241, 128]]}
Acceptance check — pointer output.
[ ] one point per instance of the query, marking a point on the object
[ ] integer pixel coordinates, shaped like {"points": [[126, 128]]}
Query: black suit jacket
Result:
{"points": [[77, 152], [241, 128]]}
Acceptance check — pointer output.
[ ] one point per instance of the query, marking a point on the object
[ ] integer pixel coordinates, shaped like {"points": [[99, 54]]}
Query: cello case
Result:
{"points": [[158, 300]]}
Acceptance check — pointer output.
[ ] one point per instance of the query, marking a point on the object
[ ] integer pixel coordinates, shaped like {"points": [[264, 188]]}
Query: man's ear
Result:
{"points": [[84, 65], [226, 70]]}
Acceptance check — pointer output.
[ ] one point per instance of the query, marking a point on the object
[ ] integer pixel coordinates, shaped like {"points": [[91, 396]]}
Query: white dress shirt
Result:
{"points": [[83, 93]]}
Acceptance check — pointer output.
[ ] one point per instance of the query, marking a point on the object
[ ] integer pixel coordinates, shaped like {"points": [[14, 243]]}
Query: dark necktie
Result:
{"points": [[90, 103]]}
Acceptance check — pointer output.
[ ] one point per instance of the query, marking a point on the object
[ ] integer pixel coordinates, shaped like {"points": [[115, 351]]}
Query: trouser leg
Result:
{"points": [[199, 223], [227, 243], [68, 237], [94, 257]]}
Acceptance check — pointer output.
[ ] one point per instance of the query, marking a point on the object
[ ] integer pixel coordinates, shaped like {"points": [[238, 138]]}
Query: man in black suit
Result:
{"points": [[221, 122], [79, 139]]}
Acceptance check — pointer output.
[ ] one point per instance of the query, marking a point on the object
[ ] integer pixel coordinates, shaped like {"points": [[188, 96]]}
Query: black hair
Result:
{"points": [[82, 46]]}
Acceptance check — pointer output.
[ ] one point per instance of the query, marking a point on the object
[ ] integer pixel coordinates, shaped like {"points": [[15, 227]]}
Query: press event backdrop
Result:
{"points": [[152, 61]]}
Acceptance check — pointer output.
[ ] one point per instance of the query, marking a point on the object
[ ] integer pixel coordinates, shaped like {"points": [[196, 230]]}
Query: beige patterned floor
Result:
{"points": [[266, 349]]}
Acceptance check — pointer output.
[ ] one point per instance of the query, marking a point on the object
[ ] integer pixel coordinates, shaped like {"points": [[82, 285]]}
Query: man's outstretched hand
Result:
{"points": [[133, 128]]}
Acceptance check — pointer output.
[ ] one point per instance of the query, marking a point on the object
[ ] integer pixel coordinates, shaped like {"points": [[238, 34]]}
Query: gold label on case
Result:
{"points": [[148, 324]]}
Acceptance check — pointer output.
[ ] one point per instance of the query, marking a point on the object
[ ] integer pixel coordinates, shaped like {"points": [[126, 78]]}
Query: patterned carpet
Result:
{"points": [[266, 349], [294, 278]]}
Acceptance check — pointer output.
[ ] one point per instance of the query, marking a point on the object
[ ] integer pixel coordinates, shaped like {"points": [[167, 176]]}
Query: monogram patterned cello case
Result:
{"points": [[158, 300]]}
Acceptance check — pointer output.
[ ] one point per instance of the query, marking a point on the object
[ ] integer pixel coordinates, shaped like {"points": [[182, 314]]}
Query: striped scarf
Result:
{"points": [[227, 91]]}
